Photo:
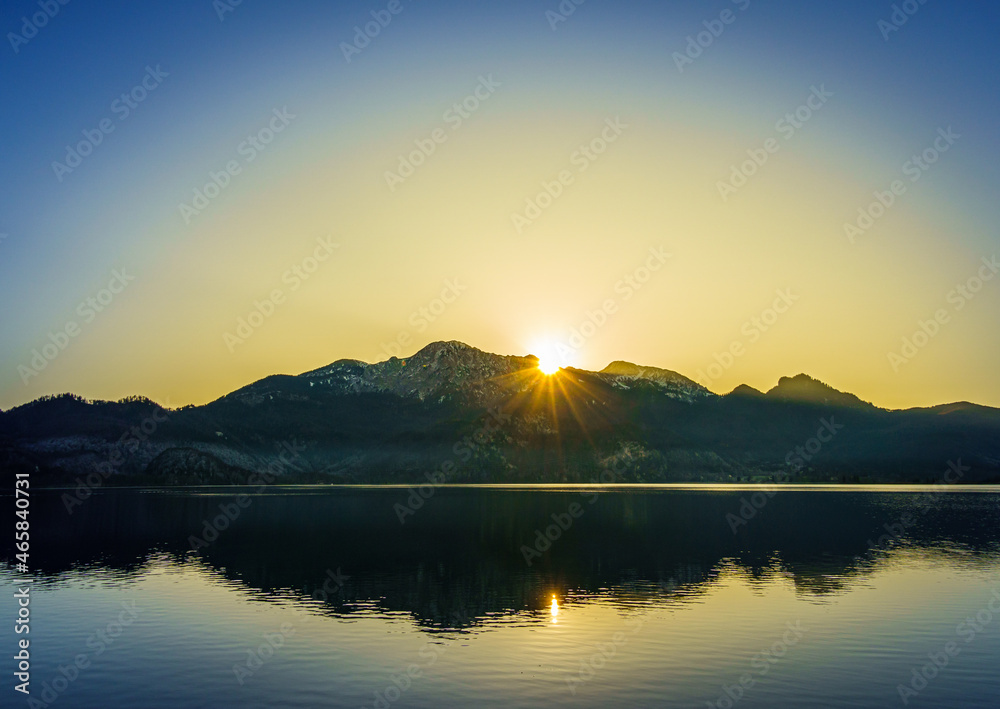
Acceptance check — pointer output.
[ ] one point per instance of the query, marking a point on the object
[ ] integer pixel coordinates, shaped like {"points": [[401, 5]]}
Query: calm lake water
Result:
{"points": [[636, 598]]}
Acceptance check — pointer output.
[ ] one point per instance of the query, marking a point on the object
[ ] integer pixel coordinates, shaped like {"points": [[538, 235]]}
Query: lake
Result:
{"points": [[679, 596]]}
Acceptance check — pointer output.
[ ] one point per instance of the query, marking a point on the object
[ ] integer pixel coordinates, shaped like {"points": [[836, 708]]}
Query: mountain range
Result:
{"points": [[453, 413]]}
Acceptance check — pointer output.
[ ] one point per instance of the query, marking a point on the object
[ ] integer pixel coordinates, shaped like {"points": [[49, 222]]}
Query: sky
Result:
{"points": [[198, 194]]}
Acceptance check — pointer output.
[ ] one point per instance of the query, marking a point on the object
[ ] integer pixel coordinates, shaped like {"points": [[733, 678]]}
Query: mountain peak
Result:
{"points": [[628, 369], [619, 372], [624, 368], [438, 369], [803, 388], [435, 349], [745, 390]]}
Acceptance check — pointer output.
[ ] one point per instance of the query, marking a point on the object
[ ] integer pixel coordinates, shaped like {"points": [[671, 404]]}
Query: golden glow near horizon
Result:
{"points": [[554, 609]]}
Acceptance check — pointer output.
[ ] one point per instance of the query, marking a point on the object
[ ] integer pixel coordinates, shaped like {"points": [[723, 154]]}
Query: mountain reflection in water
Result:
{"points": [[463, 557]]}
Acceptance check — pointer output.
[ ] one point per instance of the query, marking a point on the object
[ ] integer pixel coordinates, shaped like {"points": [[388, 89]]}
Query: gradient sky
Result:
{"points": [[520, 288]]}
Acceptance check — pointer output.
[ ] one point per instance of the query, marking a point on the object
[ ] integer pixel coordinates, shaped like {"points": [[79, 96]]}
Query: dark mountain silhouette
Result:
{"points": [[804, 388], [473, 416], [745, 390]]}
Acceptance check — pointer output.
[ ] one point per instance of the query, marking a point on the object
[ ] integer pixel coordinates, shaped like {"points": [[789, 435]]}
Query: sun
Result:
{"points": [[548, 366], [552, 355]]}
